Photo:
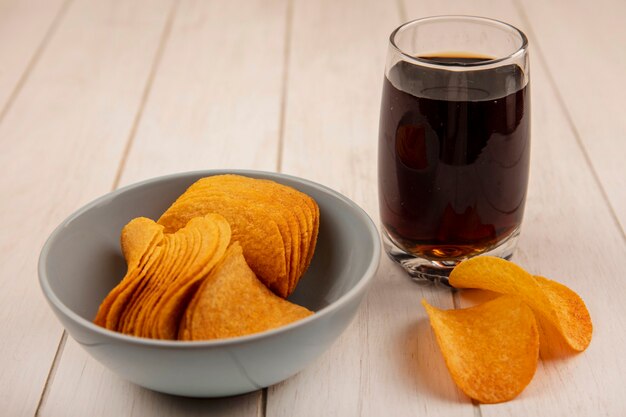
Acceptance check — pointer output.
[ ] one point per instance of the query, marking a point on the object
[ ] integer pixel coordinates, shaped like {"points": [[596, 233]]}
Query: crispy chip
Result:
{"points": [[184, 248], [170, 268], [139, 239], [250, 224], [491, 350], [276, 225], [152, 297], [126, 290], [213, 232], [554, 304], [293, 203], [138, 236], [233, 302], [571, 313], [169, 262], [133, 308]]}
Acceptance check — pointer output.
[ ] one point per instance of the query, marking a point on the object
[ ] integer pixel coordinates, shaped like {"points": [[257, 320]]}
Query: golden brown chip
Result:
{"points": [[265, 200], [313, 217], [139, 239], [491, 350], [151, 301], [554, 304], [275, 224], [571, 313], [190, 246], [126, 292], [291, 200], [289, 203], [133, 308], [232, 302], [214, 233], [250, 225], [171, 268], [138, 308]]}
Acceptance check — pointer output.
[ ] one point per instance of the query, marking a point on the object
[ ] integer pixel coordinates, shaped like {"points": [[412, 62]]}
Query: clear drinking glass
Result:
{"points": [[454, 142]]}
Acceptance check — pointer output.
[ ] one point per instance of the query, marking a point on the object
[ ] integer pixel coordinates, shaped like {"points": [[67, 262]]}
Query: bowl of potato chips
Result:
{"points": [[210, 283]]}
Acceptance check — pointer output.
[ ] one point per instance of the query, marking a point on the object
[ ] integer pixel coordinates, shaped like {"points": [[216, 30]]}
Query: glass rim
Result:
{"points": [[522, 49]]}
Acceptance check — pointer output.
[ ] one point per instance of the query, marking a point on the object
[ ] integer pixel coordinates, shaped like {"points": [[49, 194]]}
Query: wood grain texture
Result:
{"points": [[61, 142], [568, 235], [24, 26], [386, 363], [112, 83], [208, 107], [83, 387], [583, 46], [584, 255], [216, 98]]}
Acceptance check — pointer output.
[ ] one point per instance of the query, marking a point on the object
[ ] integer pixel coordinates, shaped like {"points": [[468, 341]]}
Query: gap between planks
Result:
{"points": [[402, 13], [263, 398], [35, 58], [568, 117], [262, 403], [61, 13], [52, 373], [285, 82], [262, 408], [165, 35], [155, 63]]}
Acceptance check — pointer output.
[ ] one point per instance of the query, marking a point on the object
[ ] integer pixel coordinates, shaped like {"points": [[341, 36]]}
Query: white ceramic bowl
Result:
{"points": [[81, 262]]}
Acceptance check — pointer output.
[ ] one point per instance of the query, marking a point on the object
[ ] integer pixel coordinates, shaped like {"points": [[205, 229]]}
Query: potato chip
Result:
{"points": [[170, 268], [127, 289], [293, 204], [554, 304], [189, 242], [266, 199], [316, 225], [275, 224], [232, 302], [251, 225], [133, 307], [139, 238], [128, 317], [214, 233], [151, 299], [168, 262], [571, 313], [307, 214], [184, 249], [491, 350]]}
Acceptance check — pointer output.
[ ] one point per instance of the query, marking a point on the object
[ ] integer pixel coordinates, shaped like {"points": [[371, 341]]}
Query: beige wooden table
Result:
{"points": [[97, 94]]}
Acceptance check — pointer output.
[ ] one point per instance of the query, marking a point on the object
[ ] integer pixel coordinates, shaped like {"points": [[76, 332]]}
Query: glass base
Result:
{"points": [[437, 270]]}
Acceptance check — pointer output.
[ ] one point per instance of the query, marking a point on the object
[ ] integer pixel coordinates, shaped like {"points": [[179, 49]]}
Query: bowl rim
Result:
{"points": [[361, 285]]}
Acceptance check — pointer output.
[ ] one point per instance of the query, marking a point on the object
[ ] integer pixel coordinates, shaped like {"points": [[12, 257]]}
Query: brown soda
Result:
{"points": [[454, 151]]}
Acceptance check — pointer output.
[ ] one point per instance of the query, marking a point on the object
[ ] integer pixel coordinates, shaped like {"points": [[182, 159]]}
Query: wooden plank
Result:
{"points": [[582, 253], [216, 98], [24, 28], [582, 44], [568, 235], [101, 393], [386, 363], [214, 102], [61, 143]]}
